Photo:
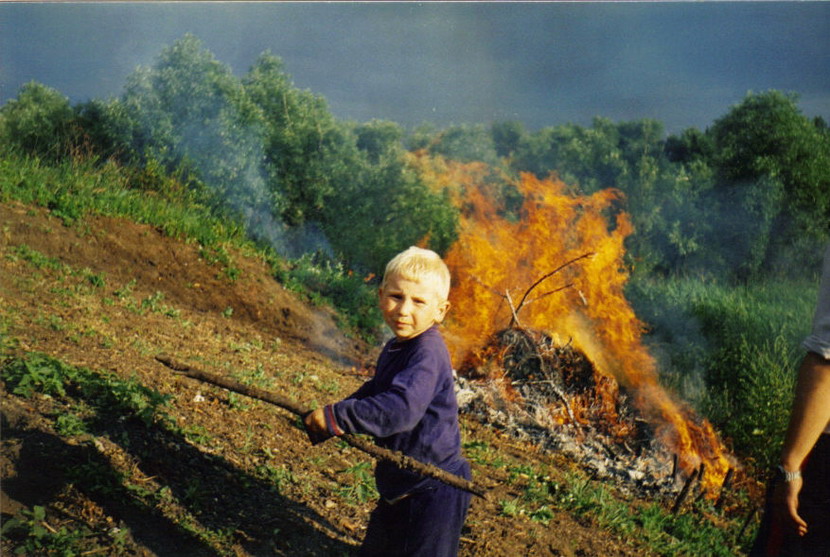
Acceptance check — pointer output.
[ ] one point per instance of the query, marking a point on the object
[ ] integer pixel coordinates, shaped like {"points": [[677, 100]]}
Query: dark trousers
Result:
{"points": [[775, 539], [425, 524]]}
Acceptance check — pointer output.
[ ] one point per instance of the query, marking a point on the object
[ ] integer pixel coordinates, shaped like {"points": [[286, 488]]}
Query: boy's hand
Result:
{"points": [[315, 426]]}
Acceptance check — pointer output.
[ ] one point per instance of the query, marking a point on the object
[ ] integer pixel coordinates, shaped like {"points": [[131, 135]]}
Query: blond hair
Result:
{"points": [[420, 264]]}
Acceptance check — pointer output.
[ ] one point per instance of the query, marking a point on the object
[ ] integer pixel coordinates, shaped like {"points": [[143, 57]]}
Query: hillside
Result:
{"points": [[224, 474]]}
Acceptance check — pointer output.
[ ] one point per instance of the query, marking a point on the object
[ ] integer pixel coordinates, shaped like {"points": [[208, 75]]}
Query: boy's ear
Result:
{"points": [[443, 309]]}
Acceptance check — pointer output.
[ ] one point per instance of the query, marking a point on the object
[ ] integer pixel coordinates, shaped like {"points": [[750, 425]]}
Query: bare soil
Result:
{"points": [[243, 479]]}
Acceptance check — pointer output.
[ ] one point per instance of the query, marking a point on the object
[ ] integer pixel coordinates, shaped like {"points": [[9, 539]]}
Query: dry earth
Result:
{"points": [[237, 476]]}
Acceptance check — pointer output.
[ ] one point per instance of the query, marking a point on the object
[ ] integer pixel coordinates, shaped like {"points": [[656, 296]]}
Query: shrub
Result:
{"points": [[731, 351]]}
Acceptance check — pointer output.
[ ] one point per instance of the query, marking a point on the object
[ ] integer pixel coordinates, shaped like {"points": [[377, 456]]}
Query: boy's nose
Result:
{"points": [[405, 307]]}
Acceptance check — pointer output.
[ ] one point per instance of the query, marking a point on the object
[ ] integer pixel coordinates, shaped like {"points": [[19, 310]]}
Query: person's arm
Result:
{"points": [[319, 427], [808, 419]]}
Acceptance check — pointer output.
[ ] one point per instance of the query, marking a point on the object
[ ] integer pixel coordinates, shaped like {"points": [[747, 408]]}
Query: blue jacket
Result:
{"points": [[408, 406]]}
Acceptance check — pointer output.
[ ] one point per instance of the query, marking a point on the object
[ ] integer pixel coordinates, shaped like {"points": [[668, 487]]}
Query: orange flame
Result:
{"points": [[498, 257]]}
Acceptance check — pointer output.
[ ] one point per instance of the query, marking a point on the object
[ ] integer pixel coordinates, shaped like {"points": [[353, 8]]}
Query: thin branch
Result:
{"points": [[550, 274], [546, 294], [513, 309]]}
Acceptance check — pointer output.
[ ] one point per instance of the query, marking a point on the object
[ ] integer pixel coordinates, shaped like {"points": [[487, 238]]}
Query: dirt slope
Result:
{"points": [[235, 476]]}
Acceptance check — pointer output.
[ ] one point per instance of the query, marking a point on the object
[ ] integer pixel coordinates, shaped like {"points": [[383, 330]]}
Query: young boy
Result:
{"points": [[409, 406]]}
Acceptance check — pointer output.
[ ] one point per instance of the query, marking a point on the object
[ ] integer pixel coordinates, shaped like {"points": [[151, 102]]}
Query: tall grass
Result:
{"points": [[75, 188], [733, 351]]}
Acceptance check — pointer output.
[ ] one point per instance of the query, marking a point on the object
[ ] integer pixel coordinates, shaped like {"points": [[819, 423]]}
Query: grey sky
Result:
{"points": [[681, 63]]}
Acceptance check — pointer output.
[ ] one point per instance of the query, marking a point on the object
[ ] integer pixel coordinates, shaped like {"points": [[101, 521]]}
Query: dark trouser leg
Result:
{"points": [[776, 539], [425, 524], [814, 502], [385, 529], [436, 521]]}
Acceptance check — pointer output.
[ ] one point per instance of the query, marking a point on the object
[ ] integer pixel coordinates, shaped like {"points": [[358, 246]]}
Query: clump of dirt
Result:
{"points": [[212, 472]]}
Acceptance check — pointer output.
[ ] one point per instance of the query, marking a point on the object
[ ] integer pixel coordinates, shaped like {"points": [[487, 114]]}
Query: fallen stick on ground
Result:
{"points": [[399, 459]]}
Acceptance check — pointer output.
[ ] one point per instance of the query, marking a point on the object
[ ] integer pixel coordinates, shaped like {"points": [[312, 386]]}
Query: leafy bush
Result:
{"points": [[732, 351], [327, 282], [38, 122]]}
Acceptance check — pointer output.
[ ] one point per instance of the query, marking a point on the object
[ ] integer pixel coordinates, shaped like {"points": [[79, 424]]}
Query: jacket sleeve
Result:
{"points": [[394, 410], [819, 339]]}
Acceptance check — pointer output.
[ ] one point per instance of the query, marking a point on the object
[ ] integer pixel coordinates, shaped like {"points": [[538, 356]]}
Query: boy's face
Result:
{"points": [[410, 307]]}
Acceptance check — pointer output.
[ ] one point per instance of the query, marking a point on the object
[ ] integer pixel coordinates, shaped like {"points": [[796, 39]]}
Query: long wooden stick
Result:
{"points": [[398, 459]]}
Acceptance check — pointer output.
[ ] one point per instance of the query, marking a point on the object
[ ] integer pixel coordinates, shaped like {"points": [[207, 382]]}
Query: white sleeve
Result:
{"points": [[819, 339]]}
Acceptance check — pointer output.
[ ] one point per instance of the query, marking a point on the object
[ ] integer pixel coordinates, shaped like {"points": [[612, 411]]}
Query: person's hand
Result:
{"points": [[786, 499], [315, 426]]}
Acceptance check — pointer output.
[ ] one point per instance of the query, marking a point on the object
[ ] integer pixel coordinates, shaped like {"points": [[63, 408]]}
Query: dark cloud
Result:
{"points": [[544, 63]]}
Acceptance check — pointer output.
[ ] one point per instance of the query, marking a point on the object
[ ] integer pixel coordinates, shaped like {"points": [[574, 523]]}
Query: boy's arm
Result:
{"points": [[399, 408], [363, 391]]}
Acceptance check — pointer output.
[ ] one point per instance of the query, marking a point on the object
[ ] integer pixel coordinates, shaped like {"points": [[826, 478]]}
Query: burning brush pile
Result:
{"points": [[538, 389], [548, 348]]}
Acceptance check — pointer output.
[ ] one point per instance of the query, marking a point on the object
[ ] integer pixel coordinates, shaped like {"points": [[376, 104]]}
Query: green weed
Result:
{"points": [[7, 342], [331, 387], [277, 476], [36, 536], [255, 377], [98, 280], [152, 302], [37, 373], [37, 259], [362, 487], [543, 514], [126, 290], [480, 452], [511, 508], [218, 254], [107, 393], [236, 402], [196, 434], [325, 282], [74, 188], [70, 424]]}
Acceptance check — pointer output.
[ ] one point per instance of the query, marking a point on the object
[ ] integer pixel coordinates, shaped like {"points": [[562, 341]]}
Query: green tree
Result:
{"points": [[107, 129], [767, 143], [691, 145], [40, 122], [588, 158], [465, 143], [307, 152], [507, 137], [348, 181], [386, 209], [421, 137], [191, 114], [379, 138]]}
